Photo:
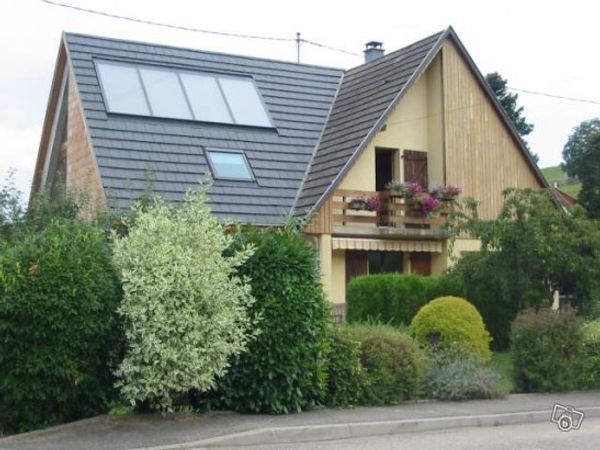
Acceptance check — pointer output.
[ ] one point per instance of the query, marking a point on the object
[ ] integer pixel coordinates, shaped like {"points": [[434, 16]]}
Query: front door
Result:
{"points": [[356, 264]]}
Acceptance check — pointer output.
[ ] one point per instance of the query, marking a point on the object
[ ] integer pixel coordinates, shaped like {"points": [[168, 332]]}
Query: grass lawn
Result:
{"points": [[503, 363], [555, 173]]}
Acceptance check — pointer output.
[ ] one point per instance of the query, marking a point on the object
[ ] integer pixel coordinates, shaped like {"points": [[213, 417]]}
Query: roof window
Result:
{"points": [[180, 94], [229, 165]]}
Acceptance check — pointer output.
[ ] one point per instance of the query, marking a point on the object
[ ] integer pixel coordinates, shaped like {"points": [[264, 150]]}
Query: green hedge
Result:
{"points": [[392, 364], [283, 369], [344, 370], [392, 298], [58, 331], [590, 375], [548, 350]]}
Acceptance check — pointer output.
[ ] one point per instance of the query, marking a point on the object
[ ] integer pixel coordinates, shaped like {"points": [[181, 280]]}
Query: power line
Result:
{"points": [[297, 39], [166, 25], [560, 97]]}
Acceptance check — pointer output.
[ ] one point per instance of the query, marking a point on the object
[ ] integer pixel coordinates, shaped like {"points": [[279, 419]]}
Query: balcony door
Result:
{"points": [[384, 168]]}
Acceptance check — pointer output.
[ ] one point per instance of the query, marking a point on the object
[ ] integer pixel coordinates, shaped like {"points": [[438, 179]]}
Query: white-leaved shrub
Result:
{"points": [[184, 307]]}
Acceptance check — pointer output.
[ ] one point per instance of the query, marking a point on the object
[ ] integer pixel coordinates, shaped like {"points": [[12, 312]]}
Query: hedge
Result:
{"points": [[283, 369], [58, 298], [547, 347], [392, 298]]}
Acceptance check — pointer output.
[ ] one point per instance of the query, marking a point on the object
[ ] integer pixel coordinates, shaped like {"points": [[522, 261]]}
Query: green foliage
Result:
{"points": [[503, 363], [464, 378], [12, 211], [547, 350], [591, 355], [184, 307], [509, 103], [283, 369], [452, 322], [576, 144], [532, 249], [391, 298], [478, 277], [392, 364], [58, 298], [344, 370], [589, 174]]}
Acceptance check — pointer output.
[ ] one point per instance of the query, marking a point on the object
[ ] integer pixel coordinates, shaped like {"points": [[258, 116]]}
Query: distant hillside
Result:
{"points": [[565, 183]]}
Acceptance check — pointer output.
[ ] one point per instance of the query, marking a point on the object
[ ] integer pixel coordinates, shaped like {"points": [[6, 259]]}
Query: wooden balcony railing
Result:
{"points": [[394, 212]]}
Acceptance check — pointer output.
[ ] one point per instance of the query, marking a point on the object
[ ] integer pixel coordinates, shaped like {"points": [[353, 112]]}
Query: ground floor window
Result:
{"points": [[385, 262]]}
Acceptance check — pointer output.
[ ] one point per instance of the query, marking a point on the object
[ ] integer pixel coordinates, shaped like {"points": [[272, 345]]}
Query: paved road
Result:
{"points": [[539, 436]]}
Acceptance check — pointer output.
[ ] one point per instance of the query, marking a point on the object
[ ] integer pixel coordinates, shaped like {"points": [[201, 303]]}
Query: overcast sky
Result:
{"points": [[540, 46]]}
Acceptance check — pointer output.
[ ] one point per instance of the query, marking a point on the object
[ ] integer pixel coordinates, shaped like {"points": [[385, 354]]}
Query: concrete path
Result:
{"points": [[229, 429]]}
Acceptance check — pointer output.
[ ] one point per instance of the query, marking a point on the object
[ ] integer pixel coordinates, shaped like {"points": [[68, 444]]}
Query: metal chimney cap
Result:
{"points": [[374, 45]]}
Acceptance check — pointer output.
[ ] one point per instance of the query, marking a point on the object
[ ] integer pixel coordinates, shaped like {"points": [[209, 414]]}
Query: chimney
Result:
{"points": [[373, 50]]}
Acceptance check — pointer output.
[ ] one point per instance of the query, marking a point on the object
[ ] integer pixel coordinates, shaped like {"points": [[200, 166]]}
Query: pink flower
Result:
{"points": [[431, 204], [414, 189]]}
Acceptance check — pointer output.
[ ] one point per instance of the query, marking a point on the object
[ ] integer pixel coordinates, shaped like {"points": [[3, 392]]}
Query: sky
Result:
{"points": [[549, 47]]}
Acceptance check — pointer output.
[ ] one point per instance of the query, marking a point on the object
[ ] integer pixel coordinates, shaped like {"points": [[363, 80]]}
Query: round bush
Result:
{"points": [[452, 323], [58, 299], [392, 364], [283, 369]]}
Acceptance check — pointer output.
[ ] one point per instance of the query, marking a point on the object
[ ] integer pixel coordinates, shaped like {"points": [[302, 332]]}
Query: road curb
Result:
{"points": [[310, 433]]}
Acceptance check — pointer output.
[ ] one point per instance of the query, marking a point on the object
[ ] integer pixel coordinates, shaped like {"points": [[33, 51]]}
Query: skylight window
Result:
{"points": [[180, 94], [229, 165]]}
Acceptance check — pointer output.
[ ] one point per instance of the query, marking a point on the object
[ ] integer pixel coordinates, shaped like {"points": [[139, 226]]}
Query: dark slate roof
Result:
{"points": [[367, 93], [297, 96]]}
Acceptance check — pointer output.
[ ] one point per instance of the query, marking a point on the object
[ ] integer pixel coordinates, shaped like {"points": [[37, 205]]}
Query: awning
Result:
{"points": [[386, 245]]}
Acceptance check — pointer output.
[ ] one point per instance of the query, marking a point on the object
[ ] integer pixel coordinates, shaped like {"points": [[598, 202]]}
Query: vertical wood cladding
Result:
{"points": [[481, 155], [82, 177]]}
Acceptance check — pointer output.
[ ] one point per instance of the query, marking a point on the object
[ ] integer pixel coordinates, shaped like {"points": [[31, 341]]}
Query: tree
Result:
{"points": [[184, 307], [529, 251], [589, 174], [576, 144], [509, 103]]}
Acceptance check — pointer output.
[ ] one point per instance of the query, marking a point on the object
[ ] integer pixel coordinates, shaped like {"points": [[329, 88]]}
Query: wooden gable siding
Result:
{"points": [[82, 177], [481, 155], [320, 221]]}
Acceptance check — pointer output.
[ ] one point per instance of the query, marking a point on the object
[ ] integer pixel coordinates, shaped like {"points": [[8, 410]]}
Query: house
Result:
{"points": [[282, 138]]}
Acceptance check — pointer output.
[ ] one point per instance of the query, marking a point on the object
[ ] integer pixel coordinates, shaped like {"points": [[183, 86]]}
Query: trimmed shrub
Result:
{"points": [[283, 369], [58, 299], [547, 350], [591, 355], [464, 379], [452, 322], [184, 307], [391, 298], [392, 364], [344, 370]]}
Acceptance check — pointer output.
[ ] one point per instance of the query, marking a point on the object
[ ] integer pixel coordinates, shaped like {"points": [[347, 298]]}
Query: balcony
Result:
{"points": [[392, 216]]}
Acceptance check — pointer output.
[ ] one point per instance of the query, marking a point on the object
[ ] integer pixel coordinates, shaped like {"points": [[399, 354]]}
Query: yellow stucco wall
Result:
{"points": [[338, 292], [415, 124]]}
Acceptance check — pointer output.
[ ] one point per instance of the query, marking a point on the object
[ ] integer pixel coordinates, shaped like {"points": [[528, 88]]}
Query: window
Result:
{"points": [[165, 94], [180, 94], [384, 262], [229, 165], [123, 89]]}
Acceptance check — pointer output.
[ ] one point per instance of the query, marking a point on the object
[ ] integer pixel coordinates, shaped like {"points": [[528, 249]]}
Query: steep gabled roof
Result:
{"points": [[297, 96], [366, 97], [367, 94]]}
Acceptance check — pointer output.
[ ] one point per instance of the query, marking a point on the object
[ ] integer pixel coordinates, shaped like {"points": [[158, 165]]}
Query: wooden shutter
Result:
{"points": [[415, 167], [356, 264]]}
